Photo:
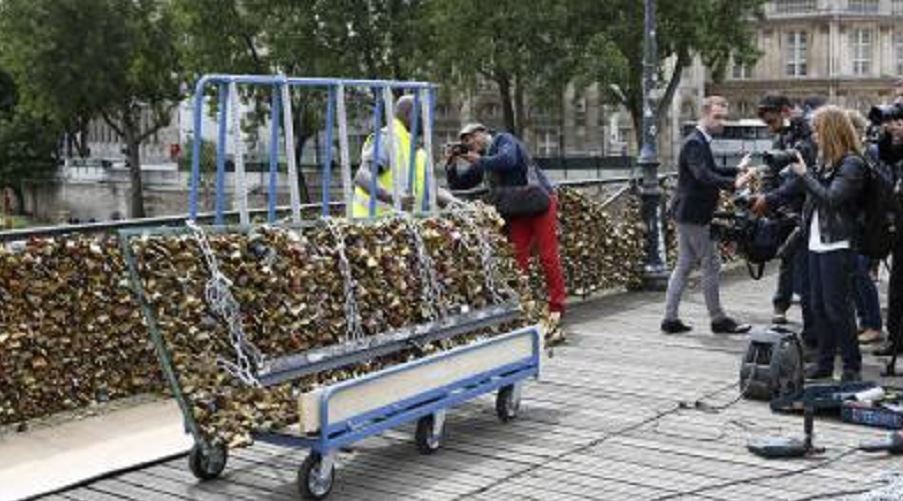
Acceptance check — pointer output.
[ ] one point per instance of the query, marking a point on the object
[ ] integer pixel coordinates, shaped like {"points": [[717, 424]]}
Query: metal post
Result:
{"points": [[274, 153], [344, 154], [655, 273], [327, 157], [222, 137]]}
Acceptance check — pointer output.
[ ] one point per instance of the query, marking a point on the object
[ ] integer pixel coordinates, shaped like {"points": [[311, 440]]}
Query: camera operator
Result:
{"points": [[786, 194], [888, 153]]}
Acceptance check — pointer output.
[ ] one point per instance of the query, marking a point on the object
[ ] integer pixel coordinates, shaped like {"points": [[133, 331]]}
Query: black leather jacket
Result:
{"points": [[837, 196]]}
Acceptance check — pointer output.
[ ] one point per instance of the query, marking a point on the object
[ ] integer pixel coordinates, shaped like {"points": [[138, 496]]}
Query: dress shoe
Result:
{"points": [[779, 317], [816, 372], [675, 327], [728, 325]]}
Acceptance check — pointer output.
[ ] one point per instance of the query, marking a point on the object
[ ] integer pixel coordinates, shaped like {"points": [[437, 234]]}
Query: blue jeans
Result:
{"points": [[868, 306], [831, 286]]}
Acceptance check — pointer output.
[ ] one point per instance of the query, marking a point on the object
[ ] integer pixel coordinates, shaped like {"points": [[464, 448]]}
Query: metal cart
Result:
{"points": [[336, 415]]}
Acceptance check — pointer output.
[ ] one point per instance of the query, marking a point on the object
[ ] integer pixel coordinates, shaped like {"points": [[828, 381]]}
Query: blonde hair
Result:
{"points": [[860, 123], [711, 102], [837, 136]]}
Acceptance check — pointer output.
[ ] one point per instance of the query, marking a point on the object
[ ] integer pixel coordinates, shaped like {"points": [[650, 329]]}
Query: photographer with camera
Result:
{"points": [[831, 219], [524, 197], [887, 154], [784, 196], [699, 184]]}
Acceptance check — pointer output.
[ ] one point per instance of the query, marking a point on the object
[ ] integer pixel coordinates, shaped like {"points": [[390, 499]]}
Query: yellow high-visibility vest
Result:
{"points": [[361, 207]]}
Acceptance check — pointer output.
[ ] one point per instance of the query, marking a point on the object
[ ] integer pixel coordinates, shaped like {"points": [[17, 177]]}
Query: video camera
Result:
{"points": [[777, 160], [883, 113], [758, 239]]}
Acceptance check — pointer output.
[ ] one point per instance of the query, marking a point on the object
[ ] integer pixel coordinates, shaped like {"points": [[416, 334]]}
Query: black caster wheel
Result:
{"points": [[207, 462], [427, 439], [507, 403], [313, 482]]}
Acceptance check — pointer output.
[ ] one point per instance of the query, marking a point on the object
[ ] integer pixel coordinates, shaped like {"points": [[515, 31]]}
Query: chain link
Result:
{"points": [[431, 291], [354, 331], [218, 293], [487, 254]]}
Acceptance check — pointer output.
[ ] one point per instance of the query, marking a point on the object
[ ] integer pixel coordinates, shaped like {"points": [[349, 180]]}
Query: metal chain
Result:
{"points": [[354, 330], [431, 290], [487, 254], [218, 294]]}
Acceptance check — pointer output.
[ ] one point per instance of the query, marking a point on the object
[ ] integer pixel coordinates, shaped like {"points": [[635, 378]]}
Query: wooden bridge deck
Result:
{"points": [[604, 422]]}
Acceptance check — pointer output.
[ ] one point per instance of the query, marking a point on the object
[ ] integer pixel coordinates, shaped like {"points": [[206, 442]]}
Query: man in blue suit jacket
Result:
{"points": [[699, 184]]}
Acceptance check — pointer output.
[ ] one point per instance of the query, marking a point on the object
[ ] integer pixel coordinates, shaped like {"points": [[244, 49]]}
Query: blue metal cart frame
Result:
{"points": [[429, 407]]}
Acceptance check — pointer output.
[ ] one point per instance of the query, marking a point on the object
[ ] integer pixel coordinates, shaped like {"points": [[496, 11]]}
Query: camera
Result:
{"points": [[776, 160], [885, 113], [456, 149]]}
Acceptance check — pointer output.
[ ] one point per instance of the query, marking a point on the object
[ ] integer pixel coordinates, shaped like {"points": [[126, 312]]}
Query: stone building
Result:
{"points": [[848, 51]]}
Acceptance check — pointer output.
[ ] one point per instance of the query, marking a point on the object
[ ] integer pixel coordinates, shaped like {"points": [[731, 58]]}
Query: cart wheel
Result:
{"points": [[507, 403], [313, 483], [426, 438], [207, 462]]}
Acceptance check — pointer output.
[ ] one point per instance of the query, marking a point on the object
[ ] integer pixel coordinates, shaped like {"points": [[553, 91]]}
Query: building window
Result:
{"points": [[898, 52], [896, 7], [863, 6], [741, 71], [795, 50], [795, 6], [861, 51]]}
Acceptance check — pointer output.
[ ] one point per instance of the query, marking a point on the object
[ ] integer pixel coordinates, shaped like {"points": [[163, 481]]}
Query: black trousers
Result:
{"points": [[895, 294], [831, 286]]}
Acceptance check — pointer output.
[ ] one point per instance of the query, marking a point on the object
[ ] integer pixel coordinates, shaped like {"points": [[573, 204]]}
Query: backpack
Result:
{"points": [[878, 204]]}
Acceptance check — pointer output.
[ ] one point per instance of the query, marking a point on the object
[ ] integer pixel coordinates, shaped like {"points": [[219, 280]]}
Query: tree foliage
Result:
{"points": [[76, 60]]}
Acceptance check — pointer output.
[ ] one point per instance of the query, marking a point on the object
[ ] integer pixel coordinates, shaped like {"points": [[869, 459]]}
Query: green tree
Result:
{"points": [[28, 144], [75, 60], [476, 42], [321, 38], [716, 30]]}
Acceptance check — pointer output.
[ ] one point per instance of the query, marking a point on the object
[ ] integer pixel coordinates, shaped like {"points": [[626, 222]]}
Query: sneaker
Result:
{"points": [[675, 327], [869, 336], [728, 325], [816, 372], [779, 317], [851, 376]]}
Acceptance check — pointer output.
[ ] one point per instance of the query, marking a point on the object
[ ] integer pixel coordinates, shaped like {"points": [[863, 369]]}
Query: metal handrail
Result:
{"points": [[58, 230]]}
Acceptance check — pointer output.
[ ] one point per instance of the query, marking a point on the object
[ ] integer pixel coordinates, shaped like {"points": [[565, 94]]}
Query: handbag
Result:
{"points": [[524, 200]]}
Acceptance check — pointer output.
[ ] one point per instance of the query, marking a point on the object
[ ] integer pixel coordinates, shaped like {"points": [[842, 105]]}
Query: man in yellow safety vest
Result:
{"points": [[412, 188]]}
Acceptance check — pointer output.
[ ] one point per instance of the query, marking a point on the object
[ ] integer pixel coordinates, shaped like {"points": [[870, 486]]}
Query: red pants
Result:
{"points": [[523, 232]]}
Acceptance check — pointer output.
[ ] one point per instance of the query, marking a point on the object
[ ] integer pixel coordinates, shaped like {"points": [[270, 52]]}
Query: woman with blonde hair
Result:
{"points": [[831, 218]]}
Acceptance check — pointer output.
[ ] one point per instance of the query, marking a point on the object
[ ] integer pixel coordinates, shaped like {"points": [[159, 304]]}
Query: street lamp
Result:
{"points": [[655, 272]]}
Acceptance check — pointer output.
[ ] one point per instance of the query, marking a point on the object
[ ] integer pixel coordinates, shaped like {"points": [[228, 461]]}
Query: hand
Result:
{"points": [[799, 168], [758, 205], [471, 156], [743, 179], [407, 202], [744, 162]]}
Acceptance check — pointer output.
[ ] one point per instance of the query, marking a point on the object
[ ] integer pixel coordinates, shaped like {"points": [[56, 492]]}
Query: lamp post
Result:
{"points": [[655, 272]]}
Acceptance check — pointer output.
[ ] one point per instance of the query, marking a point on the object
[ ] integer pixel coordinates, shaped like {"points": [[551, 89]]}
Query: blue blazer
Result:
{"points": [[699, 181]]}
